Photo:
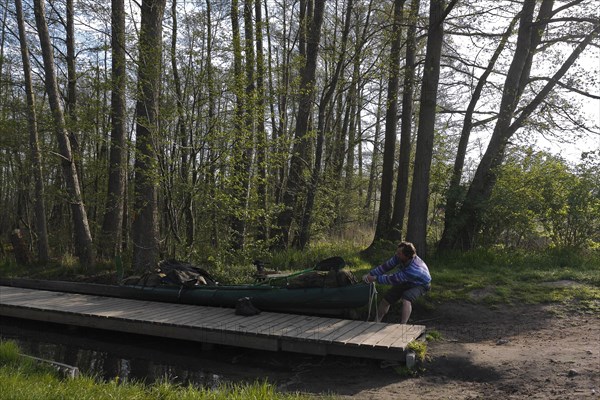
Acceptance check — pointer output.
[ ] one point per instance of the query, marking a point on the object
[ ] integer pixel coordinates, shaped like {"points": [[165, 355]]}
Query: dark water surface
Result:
{"points": [[108, 355]]}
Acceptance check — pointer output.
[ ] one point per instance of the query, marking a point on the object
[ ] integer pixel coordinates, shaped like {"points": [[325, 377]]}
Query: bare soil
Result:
{"points": [[510, 352]]}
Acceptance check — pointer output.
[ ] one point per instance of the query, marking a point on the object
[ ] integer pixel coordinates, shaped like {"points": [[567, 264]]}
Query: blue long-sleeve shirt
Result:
{"points": [[415, 273]]}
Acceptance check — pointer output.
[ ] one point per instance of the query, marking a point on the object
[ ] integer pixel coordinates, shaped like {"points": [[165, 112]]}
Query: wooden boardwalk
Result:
{"points": [[265, 331]]}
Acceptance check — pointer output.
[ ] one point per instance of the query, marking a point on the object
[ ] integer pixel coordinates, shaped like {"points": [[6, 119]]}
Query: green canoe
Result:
{"points": [[265, 297]]}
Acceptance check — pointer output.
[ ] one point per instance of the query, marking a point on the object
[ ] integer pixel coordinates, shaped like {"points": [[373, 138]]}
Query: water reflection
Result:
{"points": [[110, 355]]}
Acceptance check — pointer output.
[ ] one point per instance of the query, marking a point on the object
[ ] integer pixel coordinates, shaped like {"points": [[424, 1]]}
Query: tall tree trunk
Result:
{"points": [[269, 69], [323, 106], [391, 121], [261, 134], [337, 149], [353, 94], [40, 208], [182, 130], [71, 100], [280, 134], [249, 120], [211, 176], [454, 192], [84, 248], [400, 197], [296, 182], [464, 226], [239, 177], [145, 225], [112, 225], [376, 150], [419, 195], [2, 42]]}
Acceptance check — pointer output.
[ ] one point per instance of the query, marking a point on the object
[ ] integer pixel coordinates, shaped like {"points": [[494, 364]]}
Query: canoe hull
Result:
{"points": [[264, 297]]}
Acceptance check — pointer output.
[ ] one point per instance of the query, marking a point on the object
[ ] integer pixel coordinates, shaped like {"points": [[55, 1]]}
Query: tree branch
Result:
{"points": [[568, 87]]}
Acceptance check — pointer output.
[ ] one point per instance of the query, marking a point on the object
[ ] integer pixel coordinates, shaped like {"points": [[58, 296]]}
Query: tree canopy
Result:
{"points": [[182, 129]]}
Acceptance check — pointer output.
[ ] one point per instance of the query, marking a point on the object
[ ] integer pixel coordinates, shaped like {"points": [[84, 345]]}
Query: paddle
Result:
{"points": [[336, 263]]}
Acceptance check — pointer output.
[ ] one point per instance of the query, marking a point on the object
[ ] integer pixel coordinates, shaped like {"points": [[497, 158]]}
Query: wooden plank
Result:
{"points": [[25, 297], [395, 332], [166, 331], [303, 328], [305, 347], [237, 325], [377, 353], [312, 330], [343, 327], [94, 305], [227, 320], [372, 329], [390, 334], [162, 309], [267, 331], [411, 335], [51, 303], [80, 305], [134, 314], [316, 332], [77, 306], [168, 316], [12, 294], [124, 309], [201, 315], [385, 331], [201, 318], [349, 333], [328, 327], [147, 314], [277, 326], [254, 324], [214, 316]]}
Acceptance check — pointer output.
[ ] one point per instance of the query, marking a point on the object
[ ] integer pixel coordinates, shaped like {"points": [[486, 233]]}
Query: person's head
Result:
{"points": [[406, 251]]}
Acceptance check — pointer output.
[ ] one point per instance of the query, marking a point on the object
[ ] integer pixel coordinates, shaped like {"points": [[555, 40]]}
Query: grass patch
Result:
{"points": [[486, 276], [433, 335], [516, 276], [21, 378], [420, 349], [497, 276]]}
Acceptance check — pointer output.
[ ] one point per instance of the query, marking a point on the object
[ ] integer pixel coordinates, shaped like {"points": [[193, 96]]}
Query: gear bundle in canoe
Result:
{"points": [[325, 289], [327, 286]]}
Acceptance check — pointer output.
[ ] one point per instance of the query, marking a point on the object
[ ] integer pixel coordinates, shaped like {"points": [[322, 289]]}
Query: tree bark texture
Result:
{"points": [[84, 248], [400, 198], [71, 99], [240, 161], [112, 224], [384, 216], [296, 183], [145, 224], [419, 195], [261, 134], [323, 106], [464, 227], [453, 195], [34, 145]]}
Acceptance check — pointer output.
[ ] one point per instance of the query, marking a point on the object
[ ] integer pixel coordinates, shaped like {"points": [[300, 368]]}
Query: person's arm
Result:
{"points": [[414, 273], [380, 270], [393, 279], [385, 267]]}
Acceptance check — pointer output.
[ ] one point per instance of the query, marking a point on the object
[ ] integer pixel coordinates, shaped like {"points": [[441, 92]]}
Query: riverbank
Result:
{"points": [[27, 379]]}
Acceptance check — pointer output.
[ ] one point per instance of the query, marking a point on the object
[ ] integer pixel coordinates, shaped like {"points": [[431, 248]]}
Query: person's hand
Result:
{"points": [[368, 278]]}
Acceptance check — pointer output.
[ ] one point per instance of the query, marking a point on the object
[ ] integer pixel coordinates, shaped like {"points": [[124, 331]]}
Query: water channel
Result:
{"points": [[109, 355]]}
